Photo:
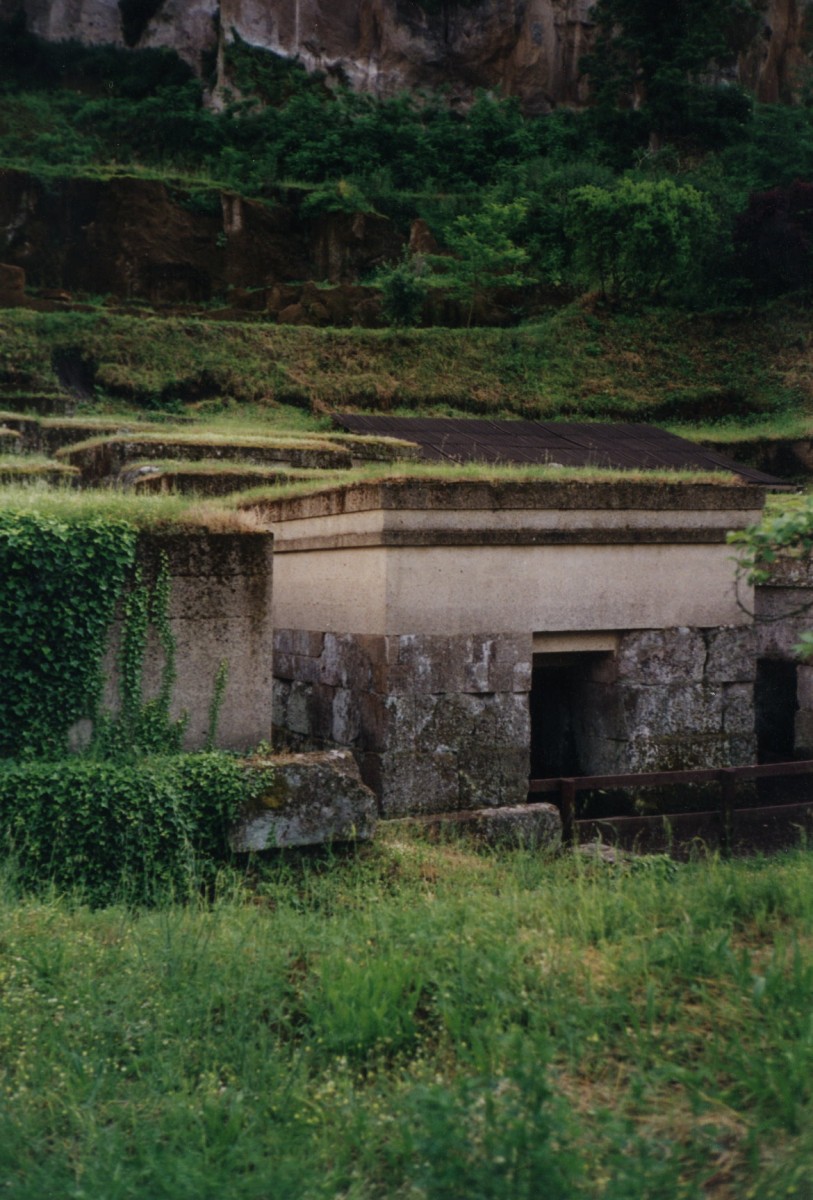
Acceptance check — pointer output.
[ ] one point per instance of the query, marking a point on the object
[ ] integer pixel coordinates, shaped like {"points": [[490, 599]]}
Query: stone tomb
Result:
{"points": [[459, 636]]}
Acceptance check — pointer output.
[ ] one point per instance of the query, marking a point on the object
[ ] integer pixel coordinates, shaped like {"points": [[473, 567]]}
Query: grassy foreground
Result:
{"points": [[417, 1021]]}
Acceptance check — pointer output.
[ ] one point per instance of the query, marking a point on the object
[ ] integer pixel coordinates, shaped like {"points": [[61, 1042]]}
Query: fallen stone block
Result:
{"points": [[537, 826], [311, 799]]}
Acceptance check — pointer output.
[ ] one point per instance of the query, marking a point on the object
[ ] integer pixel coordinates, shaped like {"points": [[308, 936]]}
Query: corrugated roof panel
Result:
{"points": [[627, 446]]}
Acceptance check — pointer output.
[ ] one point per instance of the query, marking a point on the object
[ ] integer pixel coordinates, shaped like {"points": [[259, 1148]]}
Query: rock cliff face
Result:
{"points": [[136, 238], [530, 48]]}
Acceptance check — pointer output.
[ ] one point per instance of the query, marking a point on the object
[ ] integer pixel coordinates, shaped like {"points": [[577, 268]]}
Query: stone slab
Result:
{"points": [[535, 826], [311, 799]]}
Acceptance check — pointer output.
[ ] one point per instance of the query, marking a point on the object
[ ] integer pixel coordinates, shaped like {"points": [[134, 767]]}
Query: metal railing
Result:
{"points": [[566, 788]]}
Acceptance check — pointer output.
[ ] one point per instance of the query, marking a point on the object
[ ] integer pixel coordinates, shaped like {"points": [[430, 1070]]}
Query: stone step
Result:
{"points": [[103, 458], [535, 826]]}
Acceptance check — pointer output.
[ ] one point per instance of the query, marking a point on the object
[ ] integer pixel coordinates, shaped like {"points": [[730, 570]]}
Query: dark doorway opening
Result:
{"points": [[564, 704], [775, 705]]}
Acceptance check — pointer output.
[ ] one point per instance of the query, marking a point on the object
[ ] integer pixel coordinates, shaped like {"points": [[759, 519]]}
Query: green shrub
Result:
{"points": [[138, 831], [343, 196], [641, 238], [404, 288]]}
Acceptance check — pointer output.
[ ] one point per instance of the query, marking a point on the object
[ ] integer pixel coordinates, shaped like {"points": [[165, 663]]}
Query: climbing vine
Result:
{"points": [[142, 726], [785, 529], [59, 582], [134, 817]]}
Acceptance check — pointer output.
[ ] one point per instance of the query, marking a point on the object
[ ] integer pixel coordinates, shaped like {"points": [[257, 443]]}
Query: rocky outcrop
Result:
{"points": [[139, 239], [774, 64], [528, 48]]}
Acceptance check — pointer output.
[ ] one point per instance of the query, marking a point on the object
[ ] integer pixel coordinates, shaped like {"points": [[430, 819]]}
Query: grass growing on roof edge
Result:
{"points": [[148, 512], [473, 473]]}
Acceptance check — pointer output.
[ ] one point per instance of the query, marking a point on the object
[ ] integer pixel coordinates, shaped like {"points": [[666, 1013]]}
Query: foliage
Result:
{"points": [[661, 364], [777, 151], [483, 254], [53, 634], [653, 60], [640, 238], [786, 528], [404, 287], [785, 532], [145, 727], [112, 829], [547, 186], [100, 111], [417, 1020], [28, 63], [339, 197], [263, 76]]}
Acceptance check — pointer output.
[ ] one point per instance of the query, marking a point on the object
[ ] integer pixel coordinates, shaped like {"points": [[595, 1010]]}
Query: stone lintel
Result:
{"points": [[578, 643]]}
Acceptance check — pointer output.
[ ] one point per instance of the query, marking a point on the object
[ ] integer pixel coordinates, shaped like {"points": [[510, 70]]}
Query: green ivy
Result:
{"points": [[113, 830], [145, 727], [59, 583]]}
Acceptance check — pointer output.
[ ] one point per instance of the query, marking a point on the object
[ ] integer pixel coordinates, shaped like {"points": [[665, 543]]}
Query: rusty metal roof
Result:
{"points": [[561, 443]]}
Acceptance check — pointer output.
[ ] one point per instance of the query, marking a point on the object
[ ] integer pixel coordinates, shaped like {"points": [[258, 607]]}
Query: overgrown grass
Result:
{"points": [[143, 512], [34, 465], [472, 472], [417, 1021], [660, 365], [788, 426]]}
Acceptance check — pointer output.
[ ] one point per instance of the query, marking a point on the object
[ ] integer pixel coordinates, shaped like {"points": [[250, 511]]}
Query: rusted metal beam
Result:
{"points": [[584, 783], [725, 826]]}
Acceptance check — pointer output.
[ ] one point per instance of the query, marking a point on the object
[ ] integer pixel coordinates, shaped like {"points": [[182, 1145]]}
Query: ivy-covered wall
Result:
{"points": [[98, 617]]}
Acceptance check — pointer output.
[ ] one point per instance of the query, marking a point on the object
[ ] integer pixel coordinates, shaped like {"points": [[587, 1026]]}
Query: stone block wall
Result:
{"points": [[219, 611], [683, 698], [439, 724], [436, 723]]}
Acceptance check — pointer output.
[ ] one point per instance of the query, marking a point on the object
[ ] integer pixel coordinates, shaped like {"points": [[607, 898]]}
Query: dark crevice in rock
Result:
{"points": [[135, 17]]}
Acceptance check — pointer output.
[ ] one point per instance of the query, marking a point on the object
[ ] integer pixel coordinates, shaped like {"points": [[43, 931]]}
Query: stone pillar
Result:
{"points": [[219, 611], [436, 723]]}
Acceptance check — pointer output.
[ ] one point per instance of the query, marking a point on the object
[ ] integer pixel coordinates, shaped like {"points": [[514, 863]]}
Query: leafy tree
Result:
{"points": [[653, 59], [483, 254], [342, 196], [546, 184], [779, 149], [642, 237]]}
